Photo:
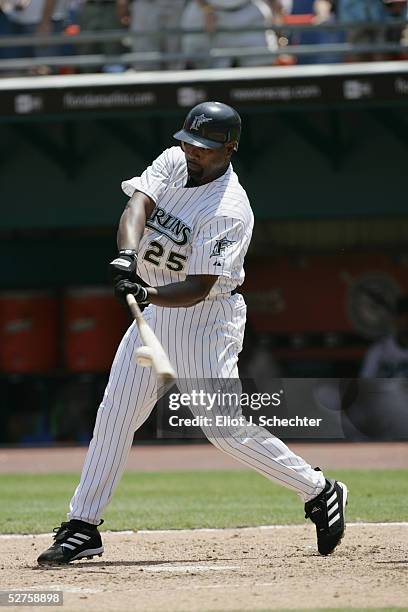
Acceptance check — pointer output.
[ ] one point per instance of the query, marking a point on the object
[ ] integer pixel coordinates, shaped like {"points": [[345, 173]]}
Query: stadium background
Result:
{"points": [[323, 161]]}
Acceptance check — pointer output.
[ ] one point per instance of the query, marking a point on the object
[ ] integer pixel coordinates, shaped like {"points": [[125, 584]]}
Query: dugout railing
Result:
{"points": [[315, 52]]}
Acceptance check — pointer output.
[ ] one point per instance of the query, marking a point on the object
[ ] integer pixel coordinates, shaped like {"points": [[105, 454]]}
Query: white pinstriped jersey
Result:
{"points": [[192, 230], [198, 230]]}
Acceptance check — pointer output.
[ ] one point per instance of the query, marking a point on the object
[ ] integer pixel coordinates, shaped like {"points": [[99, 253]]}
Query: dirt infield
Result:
{"points": [[157, 457], [199, 571], [218, 570]]}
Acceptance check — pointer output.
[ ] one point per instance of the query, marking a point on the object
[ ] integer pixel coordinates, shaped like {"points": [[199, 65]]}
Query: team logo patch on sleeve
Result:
{"points": [[220, 247]]}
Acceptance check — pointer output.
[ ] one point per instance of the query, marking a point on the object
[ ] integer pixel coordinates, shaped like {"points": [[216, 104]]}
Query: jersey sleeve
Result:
{"points": [[154, 180], [217, 247]]}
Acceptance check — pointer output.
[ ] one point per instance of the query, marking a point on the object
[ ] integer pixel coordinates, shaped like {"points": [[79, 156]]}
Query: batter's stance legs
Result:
{"points": [[129, 398]]}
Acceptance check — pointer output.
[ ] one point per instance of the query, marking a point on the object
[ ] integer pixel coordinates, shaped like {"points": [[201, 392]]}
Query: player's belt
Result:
{"points": [[223, 296]]}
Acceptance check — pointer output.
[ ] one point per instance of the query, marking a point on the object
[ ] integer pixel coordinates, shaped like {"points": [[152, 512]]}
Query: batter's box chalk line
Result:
{"points": [[147, 532]]}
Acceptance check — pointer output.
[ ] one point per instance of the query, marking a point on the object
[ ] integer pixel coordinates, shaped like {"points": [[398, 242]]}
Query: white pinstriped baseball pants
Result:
{"points": [[202, 342]]}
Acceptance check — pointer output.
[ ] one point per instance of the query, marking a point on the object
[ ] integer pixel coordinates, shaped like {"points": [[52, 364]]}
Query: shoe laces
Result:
{"points": [[67, 528], [316, 508], [61, 531]]}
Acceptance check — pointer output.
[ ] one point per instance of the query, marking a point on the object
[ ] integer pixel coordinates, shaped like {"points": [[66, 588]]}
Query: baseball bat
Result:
{"points": [[151, 353]]}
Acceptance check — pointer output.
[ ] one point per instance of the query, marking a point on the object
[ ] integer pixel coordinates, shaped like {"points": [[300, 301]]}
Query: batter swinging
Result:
{"points": [[186, 228]]}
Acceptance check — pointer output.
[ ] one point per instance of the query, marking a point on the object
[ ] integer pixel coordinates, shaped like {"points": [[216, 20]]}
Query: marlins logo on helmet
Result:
{"points": [[199, 120]]}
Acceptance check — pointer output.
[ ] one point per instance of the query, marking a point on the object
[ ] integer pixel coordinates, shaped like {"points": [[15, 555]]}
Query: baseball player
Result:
{"points": [[185, 230], [229, 24], [155, 16]]}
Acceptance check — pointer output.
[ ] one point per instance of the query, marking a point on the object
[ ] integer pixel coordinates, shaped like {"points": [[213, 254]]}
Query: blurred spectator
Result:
{"points": [[286, 6], [388, 358], [396, 10], [325, 13], [36, 17], [375, 407], [207, 16], [100, 16], [360, 11], [314, 12], [155, 16], [5, 26]]}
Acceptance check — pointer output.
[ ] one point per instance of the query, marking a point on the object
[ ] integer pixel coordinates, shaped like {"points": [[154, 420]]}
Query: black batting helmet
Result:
{"points": [[211, 125]]}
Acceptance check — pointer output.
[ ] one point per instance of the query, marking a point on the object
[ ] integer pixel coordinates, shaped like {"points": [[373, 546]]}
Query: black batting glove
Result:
{"points": [[124, 265], [124, 286]]}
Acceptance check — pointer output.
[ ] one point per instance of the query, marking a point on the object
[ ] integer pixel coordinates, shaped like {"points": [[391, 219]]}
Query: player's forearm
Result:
{"points": [[183, 294], [133, 221]]}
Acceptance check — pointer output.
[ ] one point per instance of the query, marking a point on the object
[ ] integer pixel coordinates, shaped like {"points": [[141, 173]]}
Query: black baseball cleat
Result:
{"points": [[73, 540], [327, 513]]}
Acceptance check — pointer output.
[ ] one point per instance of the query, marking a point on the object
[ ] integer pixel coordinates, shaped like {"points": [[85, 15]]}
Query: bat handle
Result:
{"points": [[134, 306], [160, 361]]}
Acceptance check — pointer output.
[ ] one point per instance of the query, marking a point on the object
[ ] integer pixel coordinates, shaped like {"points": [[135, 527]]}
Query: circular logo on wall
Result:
{"points": [[371, 298]]}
